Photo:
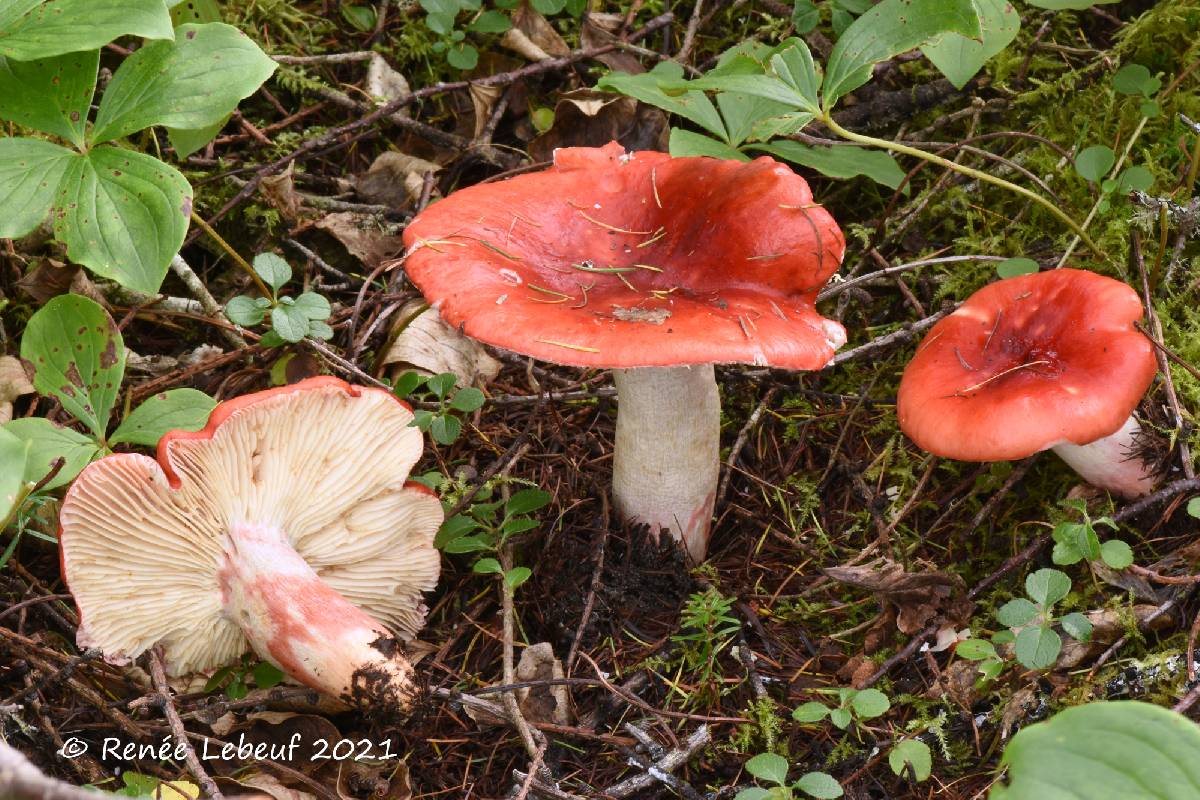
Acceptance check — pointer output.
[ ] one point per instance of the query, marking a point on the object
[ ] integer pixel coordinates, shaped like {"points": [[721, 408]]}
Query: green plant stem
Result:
{"points": [[241, 262], [978, 175]]}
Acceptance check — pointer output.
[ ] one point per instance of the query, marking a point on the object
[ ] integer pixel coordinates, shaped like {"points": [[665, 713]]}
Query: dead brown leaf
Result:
{"points": [[533, 37], [588, 118], [394, 179], [600, 30], [543, 703], [916, 598], [280, 192], [13, 383], [427, 344], [363, 236]]}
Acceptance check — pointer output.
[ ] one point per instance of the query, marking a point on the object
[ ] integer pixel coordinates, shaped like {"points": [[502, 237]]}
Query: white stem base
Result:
{"points": [[1110, 463], [296, 621], [667, 457]]}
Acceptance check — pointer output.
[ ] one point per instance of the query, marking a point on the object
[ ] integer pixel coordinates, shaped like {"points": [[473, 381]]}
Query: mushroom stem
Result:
{"points": [[666, 458], [1111, 463], [298, 622]]}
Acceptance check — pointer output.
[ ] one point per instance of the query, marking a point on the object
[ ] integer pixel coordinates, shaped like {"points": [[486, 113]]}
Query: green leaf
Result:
{"points": [[1064, 5], [841, 161], [1116, 554], [361, 17], [517, 525], [1047, 586], [1104, 750], [242, 310], [194, 11], [766, 87], [188, 140], [51, 95], [795, 66], [487, 566], [462, 56], [445, 429], [754, 793], [441, 384], [1193, 507], [888, 29], [691, 105], [914, 752], [123, 214], [31, 29], [1077, 626], [811, 711], [689, 143], [467, 399], [272, 269], [1012, 267], [467, 544], [407, 383], [548, 7], [313, 306], [1085, 540], [31, 171], [1134, 178], [769, 767], [491, 22], [1094, 162], [840, 717], [48, 442], [1134, 79], [192, 82], [959, 58], [870, 703], [289, 322], [14, 455], [820, 785], [1016, 613], [527, 501], [267, 675], [516, 576], [175, 409], [454, 528], [78, 357], [1037, 647], [805, 16], [742, 112], [975, 649]]}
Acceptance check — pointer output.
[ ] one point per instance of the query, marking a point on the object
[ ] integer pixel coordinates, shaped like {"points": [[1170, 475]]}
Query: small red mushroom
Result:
{"points": [[285, 526], [1050, 360], [655, 267]]}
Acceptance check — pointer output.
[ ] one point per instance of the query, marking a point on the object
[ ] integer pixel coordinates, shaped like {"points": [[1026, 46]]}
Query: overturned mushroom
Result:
{"points": [[656, 267], [1044, 361], [285, 526]]}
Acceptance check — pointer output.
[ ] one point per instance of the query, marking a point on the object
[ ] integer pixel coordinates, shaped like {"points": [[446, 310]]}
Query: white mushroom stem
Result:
{"points": [[1111, 463], [296, 621], [666, 458]]}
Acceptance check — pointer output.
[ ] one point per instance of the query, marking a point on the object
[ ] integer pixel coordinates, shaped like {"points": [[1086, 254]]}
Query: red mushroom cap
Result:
{"points": [[1027, 363], [610, 259]]}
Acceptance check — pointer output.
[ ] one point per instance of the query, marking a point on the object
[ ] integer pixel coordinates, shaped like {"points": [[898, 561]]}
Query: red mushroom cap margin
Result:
{"points": [[1027, 363], [609, 259]]}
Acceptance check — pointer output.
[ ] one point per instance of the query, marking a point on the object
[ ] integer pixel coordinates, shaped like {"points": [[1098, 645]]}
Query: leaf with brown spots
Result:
{"points": [[78, 357]]}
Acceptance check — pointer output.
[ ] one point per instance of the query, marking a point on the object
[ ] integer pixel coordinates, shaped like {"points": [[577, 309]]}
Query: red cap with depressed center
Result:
{"points": [[609, 259], [1025, 364]]}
